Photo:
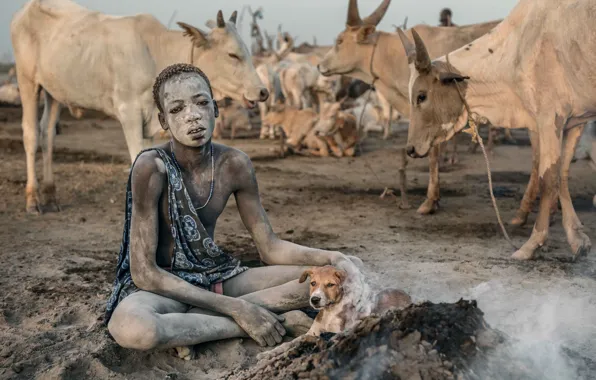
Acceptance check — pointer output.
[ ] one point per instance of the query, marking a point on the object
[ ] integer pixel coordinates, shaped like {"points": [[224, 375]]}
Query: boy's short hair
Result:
{"points": [[172, 71]]}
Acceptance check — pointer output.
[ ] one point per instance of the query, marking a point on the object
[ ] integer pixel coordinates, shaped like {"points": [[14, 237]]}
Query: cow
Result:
{"points": [[304, 87], [533, 71], [269, 75], [232, 116], [87, 60], [338, 128], [297, 125], [364, 53]]}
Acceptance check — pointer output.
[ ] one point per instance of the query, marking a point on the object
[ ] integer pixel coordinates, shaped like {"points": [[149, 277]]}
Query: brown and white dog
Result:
{"points": [[343, 298]]}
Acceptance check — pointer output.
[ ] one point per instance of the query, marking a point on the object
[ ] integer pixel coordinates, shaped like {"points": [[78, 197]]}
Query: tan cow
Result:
{"points": [[86, 59], [338, 128], [232, 117], [298, 127], [353, 55], [535, 70]]}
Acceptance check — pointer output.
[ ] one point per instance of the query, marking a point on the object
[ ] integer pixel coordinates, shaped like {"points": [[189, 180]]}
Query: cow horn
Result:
{"points": [[353, 14], [220, 20], [423, 62], [233, 17], [377, 15], [408, 46]]}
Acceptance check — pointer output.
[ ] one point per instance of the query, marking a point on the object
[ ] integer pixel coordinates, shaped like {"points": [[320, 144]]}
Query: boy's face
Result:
{"points": [[189, 111]]}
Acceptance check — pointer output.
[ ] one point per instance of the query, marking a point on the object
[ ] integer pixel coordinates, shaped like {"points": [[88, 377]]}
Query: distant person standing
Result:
{"points": [[445, 18]]}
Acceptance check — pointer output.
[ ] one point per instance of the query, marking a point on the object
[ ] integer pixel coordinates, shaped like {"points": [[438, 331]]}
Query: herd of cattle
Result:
{"points": [[322, 100]]}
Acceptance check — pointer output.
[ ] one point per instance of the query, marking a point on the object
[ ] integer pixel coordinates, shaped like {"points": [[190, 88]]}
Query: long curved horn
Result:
{"points": [[408, 46], [220, 20], [233, 17], [377, 15], [353, 14], [423, 62]]}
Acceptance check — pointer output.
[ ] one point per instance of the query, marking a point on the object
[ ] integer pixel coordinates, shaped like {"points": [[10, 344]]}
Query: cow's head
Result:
{"points": [[354, 46], [436, 108], [226, 60]]}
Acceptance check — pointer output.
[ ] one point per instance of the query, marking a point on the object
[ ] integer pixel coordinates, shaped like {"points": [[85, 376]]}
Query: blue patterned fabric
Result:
{"points": [[196, 258]]}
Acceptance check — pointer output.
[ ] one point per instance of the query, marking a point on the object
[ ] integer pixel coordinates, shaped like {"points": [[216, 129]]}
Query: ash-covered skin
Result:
{"points": [[170, 312], [189, 110]]}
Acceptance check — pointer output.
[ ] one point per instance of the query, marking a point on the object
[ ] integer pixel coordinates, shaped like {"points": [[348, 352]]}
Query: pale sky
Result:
{"points": [[302, 18]]}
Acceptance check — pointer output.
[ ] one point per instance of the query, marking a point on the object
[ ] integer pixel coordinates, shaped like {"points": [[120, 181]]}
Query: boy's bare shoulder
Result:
{"points": [[234, 160], [148, 176]]}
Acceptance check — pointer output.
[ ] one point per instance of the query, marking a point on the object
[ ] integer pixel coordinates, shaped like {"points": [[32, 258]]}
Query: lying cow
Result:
{"points": [[305, 133], [297, 125], [338, 128]]}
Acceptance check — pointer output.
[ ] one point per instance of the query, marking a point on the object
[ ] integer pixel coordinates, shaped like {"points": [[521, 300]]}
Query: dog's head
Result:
{"points": [[325, 285]]}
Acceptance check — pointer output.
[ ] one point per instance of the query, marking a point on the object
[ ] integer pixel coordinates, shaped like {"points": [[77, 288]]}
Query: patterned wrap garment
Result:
{"points": [[196, 258]]}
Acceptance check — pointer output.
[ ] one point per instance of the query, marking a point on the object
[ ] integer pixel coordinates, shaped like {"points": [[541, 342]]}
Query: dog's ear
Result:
{"points": [[305, 275], [341, 275]]}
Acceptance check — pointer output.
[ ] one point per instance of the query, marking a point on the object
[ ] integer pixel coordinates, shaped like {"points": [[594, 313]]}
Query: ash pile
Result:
{"points": [[424, 341]]}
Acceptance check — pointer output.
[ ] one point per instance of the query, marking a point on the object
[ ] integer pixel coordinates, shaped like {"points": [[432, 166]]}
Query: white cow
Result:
{"points": [[86, 59], [534, 70]]}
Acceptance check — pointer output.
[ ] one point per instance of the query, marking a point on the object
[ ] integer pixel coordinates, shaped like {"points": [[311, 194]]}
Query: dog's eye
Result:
{"points": [[330, 285], [313, 283]]}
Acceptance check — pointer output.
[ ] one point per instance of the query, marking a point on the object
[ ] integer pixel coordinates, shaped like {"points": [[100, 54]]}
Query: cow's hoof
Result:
{"points": [[184, 352], [32, 205], [519, 220], [48, 198], [51, 206], [524, 253], [580, 245], [33, 209], [428, 207]]}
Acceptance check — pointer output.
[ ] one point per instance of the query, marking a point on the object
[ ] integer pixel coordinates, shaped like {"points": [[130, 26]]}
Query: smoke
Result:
{"points": [[550, 331]]}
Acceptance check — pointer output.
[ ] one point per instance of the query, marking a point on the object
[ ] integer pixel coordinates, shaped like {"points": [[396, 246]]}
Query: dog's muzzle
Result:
{"points": [[315, 300]]}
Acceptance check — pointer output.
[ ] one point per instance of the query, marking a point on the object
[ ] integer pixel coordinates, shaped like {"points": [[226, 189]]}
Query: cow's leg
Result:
{"points": [[579, 242], [453, 159], [521, 217], [387, 125], [492, 131], [508, 136], [431, 204], [549, 172], [48, 123], [29, 102], [264, 127], [132, 125]]}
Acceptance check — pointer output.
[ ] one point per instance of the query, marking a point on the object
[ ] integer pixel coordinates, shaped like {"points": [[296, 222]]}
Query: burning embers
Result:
{"points": [[423, 341]]}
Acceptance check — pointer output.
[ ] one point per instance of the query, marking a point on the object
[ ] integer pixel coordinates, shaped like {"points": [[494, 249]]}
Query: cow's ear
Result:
{"points": [[197, 36], [364, 33], [449, 77]]}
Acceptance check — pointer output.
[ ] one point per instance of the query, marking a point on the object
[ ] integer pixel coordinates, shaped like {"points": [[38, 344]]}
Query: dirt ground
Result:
{"points": [[58, 268]]}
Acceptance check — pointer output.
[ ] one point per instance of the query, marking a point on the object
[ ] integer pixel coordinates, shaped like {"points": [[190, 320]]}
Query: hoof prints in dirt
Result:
{"points": [[468, 230], [416, 191], [424, 341], [504, 176], [64, 155]]}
